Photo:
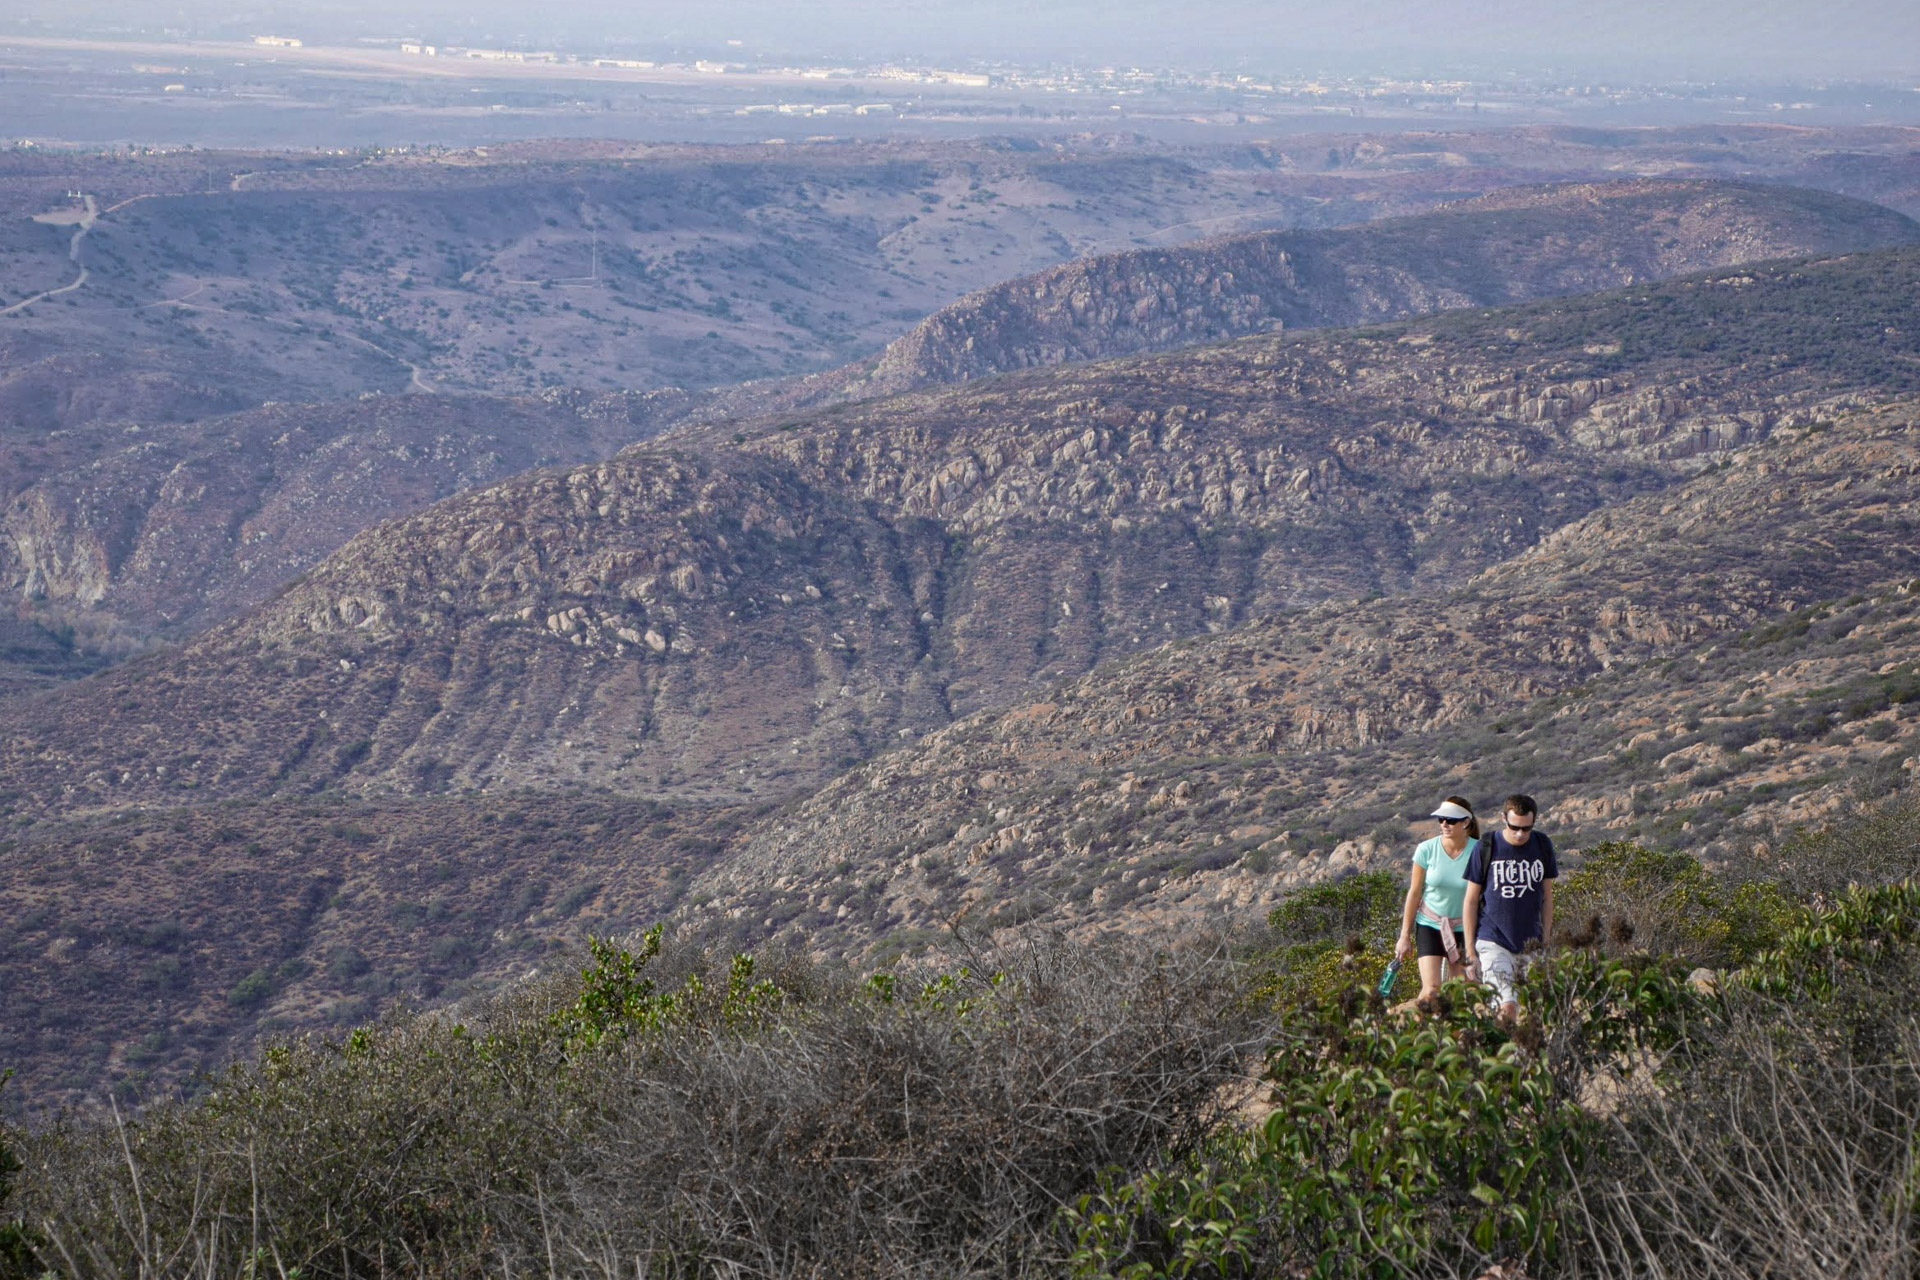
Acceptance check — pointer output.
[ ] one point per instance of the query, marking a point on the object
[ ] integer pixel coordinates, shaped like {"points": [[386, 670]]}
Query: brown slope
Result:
{"points": [[959, 547], [1245, 757], [131, 533], [148, 949], [1511, 246]]}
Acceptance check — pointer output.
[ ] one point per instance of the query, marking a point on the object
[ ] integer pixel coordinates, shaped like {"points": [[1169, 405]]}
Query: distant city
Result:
{"points": [[280, 87], [1348, 92]]}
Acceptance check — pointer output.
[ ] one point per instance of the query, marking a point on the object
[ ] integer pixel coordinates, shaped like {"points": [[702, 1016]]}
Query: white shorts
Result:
{"points": [[1500, 969]]}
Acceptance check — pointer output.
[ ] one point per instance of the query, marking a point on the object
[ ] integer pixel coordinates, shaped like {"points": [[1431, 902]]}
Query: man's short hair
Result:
{"points": [[1522, 805]]}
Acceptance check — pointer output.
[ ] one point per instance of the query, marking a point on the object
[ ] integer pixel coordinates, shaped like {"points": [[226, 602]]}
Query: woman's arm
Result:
{"points": [[1415, 892]]}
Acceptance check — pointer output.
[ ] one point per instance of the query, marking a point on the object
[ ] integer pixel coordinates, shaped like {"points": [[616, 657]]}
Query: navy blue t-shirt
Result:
{"points": [[1512, 882]]}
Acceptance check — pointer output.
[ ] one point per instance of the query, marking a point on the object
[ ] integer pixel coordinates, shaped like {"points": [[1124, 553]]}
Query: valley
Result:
{"points": [[421, 561]]}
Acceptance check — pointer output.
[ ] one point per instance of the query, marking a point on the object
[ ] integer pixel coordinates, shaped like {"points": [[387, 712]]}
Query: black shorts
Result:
{"points": [[1426, 942]]}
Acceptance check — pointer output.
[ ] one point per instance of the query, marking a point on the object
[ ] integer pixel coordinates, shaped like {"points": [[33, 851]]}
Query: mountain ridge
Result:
{"points": [[974, 541], [138, 533], [1502, 248]]}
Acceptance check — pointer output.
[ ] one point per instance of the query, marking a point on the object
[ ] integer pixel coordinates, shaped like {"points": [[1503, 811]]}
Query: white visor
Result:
{"points": [[1451, 810]]}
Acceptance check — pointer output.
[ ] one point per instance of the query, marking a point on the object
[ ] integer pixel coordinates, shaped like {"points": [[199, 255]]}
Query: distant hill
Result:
{"points": [[220, 283], [132, 527], [1507, 247]]}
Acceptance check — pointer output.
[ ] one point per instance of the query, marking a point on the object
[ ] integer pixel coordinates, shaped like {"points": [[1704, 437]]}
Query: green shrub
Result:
{"points": [[1432, 1144], [617, 1001], [1365, 903], [253, 990], [1625, 897], [1327, 937]]}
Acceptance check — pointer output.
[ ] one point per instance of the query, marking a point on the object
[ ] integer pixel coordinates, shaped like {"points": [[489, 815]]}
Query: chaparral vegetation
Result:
{"points": [[1237, 1108]]}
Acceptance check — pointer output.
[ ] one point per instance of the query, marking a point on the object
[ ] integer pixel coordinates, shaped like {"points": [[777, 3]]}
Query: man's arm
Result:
{"points": [[1546, 913]]}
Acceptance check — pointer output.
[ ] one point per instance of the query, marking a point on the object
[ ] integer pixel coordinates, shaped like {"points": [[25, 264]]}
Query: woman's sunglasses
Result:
{"points": [[1450, 822]]}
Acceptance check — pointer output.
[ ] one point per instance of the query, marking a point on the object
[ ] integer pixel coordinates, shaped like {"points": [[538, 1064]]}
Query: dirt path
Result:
{"points": [[81, 220], [417, 382]]}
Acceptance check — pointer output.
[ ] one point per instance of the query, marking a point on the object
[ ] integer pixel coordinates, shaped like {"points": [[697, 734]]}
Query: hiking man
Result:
{"points": [[1509, 902]]}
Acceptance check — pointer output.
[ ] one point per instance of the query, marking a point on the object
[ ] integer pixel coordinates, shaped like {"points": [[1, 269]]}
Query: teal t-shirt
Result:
{"points": [[1446, 893]]}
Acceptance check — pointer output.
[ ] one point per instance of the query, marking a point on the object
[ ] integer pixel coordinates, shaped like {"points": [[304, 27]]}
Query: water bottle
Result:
{"points": [[1387, 979]]}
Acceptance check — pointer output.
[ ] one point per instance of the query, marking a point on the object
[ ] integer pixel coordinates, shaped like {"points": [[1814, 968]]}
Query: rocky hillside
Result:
{"points": [[1507, 247], [127, 533], [1701, 666], [751, 610]]}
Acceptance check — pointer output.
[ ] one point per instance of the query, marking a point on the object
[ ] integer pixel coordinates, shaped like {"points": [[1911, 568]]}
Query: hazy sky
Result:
{"points": [[1669, 37]]}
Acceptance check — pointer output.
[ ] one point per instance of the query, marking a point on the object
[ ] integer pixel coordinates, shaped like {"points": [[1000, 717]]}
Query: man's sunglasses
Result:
{"points": [[1515, 827]]}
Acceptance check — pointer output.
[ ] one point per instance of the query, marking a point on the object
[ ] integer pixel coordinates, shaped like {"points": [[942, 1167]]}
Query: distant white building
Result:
{"points": [[424, 50], [278, 42]]}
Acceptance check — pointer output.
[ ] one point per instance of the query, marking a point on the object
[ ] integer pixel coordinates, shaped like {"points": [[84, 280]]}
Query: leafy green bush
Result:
{"points": [[1848, 971], [616, 999], [1368, 902], [1625, 897], [1324, 938], [1433, 1143]]}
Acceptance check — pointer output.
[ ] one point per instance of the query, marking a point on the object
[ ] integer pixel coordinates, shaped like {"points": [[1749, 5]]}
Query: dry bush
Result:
{"points": [[1872, 842], [933, 1128], [1781, 1139], [1785, 1155], [938, 1138]]}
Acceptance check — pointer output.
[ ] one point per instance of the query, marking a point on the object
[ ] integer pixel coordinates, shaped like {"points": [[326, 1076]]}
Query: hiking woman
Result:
{"points": [[1430, 923]]}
